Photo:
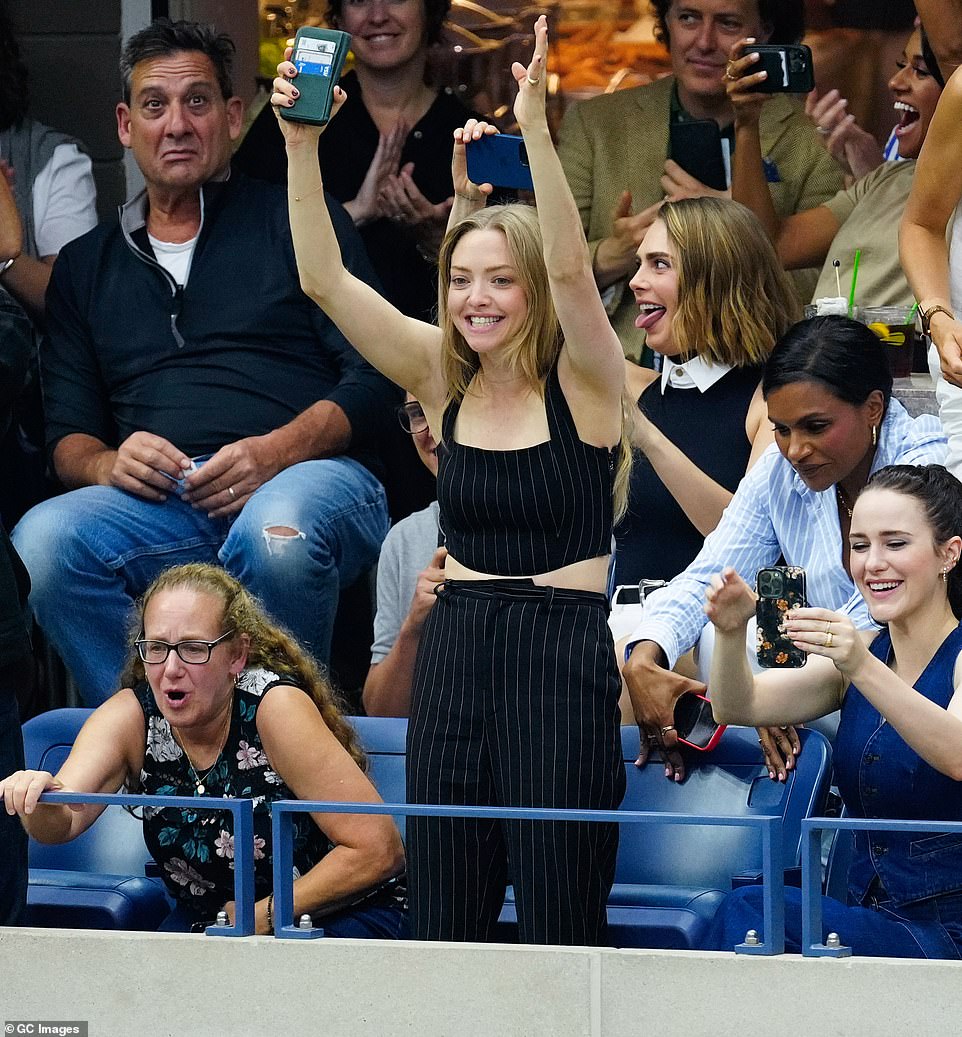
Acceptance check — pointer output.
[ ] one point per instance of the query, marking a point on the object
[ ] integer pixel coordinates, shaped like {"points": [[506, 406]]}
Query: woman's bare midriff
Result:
{"points": [[591, 574]]}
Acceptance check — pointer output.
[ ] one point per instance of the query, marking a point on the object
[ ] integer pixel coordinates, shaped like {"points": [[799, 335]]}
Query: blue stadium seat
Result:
{"points": [[670, 880], [96, 881], [384, 741]]}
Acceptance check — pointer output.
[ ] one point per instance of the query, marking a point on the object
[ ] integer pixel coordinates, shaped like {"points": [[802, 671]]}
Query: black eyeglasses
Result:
{"points": [[194, 652], [412, 418]]}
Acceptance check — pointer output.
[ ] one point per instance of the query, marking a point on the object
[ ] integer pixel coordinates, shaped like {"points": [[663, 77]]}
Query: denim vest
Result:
{"points": [[879, 776]]}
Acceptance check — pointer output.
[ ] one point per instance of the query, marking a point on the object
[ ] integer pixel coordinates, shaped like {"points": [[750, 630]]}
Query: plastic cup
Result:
{"points": [[893, 326]]}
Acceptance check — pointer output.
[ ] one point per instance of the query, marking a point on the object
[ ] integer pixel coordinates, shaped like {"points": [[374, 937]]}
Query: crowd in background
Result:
{"points": [[207, 400]]}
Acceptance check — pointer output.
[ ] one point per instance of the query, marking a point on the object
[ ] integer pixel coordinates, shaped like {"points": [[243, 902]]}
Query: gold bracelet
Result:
{"points": [[300, 198]]}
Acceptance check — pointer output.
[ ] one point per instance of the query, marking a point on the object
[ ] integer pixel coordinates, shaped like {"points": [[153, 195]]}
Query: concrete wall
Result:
{"points": [[144, 984]]}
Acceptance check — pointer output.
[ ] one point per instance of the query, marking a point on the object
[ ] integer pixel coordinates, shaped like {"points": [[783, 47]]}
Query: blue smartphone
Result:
{"points": [[501, 160], [319, 57]]}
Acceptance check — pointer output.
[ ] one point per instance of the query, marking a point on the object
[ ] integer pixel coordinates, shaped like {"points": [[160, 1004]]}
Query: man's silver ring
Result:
{"points": [[230, 490], [823, 130], [667, 728], [534, 82]]}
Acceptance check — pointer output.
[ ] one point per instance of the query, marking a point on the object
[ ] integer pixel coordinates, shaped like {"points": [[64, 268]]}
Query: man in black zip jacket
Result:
{"points": [[199, 406], [16, 663]]}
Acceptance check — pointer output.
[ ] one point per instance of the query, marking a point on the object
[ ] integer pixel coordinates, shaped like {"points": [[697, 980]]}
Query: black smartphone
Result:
{"points": [[789, 68], [499, 159], [779, 589], [319, 56], [694, 723], [696, 146]]}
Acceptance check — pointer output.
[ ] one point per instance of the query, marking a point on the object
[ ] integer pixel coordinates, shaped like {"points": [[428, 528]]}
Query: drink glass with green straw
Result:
{"points": [[851, 294]]}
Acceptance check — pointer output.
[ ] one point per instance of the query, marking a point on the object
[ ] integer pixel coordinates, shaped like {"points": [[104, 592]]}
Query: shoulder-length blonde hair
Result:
{"points": [[271, 647], [734, 298], [538, 342], [535, 349]]}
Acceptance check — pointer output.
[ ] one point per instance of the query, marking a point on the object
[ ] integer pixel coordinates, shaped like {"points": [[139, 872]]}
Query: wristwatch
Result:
{"points": [[928, 314]]}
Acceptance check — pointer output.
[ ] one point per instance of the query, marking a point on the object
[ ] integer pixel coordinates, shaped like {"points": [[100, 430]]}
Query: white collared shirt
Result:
{"points": [[694, 373]]}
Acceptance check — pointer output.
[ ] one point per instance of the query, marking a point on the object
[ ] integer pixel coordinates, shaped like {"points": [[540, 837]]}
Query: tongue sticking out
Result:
{"points": [[648, 318]]}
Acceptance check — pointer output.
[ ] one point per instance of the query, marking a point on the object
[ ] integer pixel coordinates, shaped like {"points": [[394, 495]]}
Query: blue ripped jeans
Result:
{"points": [[92, 551]]}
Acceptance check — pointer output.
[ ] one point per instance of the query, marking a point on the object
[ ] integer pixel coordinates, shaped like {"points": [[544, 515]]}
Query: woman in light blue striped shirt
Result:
{"points": [[829, 395]]}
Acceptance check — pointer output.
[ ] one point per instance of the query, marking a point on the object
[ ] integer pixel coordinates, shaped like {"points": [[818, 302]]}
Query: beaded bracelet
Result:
{"points": [[270, 913]]}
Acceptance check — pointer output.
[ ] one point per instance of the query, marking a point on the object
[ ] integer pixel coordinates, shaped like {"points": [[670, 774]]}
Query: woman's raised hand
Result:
{"points": [[823, 632], [286, 93], [473, 129], [741, 82], [529, 104], [729, 601]]}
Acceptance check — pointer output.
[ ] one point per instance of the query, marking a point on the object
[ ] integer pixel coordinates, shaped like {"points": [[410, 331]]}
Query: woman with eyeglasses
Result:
{"points": [[219, 701]]}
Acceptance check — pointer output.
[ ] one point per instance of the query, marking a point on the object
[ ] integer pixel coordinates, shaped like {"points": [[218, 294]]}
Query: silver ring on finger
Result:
{"points": [[533, 82], [823, 130], [230, 490]]}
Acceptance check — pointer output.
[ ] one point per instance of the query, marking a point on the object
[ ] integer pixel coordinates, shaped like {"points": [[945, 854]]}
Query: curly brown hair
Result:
{"points": [[271, 647]]}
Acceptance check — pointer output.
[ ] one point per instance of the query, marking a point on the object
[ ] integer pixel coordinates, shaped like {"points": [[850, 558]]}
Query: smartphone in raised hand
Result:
{"points": [[319, 58]]}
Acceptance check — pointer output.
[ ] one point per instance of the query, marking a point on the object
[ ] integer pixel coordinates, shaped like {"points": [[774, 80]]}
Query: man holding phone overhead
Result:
{"points": [[622, 156]]}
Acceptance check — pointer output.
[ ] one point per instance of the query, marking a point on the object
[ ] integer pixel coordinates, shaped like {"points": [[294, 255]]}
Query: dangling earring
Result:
{"points": [[945, 575], [875, 435]]}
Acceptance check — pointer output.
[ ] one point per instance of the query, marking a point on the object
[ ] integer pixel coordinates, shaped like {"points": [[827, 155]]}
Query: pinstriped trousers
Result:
{"points": [[515, 703]]}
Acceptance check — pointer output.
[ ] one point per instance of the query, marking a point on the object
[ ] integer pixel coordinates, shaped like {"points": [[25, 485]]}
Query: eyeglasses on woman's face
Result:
{"points": [[196, 653]]}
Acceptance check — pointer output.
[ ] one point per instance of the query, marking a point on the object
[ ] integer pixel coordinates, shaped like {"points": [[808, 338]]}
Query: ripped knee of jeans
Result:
{"points": [[279, 538]]}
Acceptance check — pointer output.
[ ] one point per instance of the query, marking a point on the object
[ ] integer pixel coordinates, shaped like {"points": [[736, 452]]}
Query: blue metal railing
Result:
{"points": [[812, 828], [243, 813], [282, 817]]}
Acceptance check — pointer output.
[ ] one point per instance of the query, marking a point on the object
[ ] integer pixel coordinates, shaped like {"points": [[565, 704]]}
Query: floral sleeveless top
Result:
{"points": [[195, 851]]}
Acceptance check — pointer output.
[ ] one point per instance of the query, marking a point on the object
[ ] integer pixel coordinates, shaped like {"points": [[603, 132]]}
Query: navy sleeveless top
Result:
{"points": [[528, 511], [656, 541], [879, 775]]}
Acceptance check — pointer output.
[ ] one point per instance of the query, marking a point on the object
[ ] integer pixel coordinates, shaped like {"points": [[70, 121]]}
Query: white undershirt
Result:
{"points": [[64, 199], [174, 257]]}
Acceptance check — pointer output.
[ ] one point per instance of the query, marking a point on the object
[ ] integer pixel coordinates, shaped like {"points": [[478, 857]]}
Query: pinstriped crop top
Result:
{"points": [[528, 511]]}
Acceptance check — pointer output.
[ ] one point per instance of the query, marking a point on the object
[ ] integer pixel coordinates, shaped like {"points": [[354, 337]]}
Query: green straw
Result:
{"points": [[910, 319], [851, 294]]}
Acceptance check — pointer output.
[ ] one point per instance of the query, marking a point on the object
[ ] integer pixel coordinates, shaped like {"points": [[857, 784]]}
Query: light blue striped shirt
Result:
{"points": [[774, 514]]}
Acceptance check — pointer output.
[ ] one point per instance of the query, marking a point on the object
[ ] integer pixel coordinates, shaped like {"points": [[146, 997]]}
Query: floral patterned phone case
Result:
{"points": [[779, 589]]}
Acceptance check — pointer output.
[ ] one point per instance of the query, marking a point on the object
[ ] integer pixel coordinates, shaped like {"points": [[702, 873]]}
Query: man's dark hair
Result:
{"points": [[786, 17], [435, 11], [13, 76], [164, 37]]}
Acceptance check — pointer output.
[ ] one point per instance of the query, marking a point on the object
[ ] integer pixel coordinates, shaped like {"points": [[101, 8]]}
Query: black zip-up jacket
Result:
{"points": [[238, 351]]}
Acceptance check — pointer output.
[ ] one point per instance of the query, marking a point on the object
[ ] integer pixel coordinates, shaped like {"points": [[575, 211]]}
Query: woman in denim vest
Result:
{"points": [[898, 753]]}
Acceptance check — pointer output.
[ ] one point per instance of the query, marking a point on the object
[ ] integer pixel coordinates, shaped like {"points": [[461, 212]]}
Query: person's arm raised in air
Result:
{"points": [[936, 190], [802, 239], [591, 367], [106, 751], [942, 21], [402, 348], [468, 196]]}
